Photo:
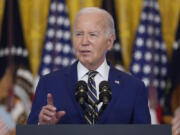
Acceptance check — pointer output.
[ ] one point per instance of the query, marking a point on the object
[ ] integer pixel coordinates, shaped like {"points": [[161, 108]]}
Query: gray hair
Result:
{"points": [[109, 19]]}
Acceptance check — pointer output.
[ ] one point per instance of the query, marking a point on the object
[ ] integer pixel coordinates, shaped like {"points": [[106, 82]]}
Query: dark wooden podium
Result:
{"points": [[93, 130]]}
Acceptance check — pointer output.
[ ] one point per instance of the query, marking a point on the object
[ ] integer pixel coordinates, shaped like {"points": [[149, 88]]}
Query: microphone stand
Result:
{"points": [[94, 116], [93, 113], [102, 109], [85, 109]]}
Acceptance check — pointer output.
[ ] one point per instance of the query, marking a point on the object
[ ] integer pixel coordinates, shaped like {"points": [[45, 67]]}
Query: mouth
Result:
{"points": [[85, 52]]}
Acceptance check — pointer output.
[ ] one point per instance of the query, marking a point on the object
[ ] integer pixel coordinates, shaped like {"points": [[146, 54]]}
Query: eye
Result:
{"points": [[78, 34], [93, 34]]}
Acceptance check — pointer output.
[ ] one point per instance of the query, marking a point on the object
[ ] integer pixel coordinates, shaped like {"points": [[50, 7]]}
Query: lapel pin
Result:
{"points": [[116, 81]]}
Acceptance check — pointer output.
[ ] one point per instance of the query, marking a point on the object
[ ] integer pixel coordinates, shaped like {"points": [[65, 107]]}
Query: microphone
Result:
{"points": [[105, 95], [81, 93], [81, 96]]}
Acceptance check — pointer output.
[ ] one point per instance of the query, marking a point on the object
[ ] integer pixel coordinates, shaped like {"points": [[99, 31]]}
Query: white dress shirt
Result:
{"points": [[102, 75]]}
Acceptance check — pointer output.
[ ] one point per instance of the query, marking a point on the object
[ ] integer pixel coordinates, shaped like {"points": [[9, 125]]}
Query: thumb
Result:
{"points": [[60, 114], [50, 99], [177, 111]]}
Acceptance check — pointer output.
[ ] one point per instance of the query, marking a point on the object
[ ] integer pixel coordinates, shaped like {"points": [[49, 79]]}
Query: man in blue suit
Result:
{"points": [[55, 101]]}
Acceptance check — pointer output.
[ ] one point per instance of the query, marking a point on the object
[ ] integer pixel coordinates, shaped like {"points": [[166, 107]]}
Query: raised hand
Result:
{"points": [[48, 114], [176, 123]]}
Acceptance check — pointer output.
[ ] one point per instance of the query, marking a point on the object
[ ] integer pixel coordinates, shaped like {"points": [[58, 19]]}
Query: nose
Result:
{"points": [[85, 40]]}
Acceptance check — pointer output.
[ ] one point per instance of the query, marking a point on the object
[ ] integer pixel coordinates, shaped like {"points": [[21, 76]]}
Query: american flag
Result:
{"points": [[149, 58], [57, 50]]}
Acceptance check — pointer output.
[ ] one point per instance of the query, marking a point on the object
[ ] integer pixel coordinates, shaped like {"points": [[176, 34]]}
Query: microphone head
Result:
{"points": [[81, 84], [81, 92], [104, 85], [105, 94]]}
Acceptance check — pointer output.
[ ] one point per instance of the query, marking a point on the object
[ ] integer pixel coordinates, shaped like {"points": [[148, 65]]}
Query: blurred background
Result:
{"points": [[35, 39]]}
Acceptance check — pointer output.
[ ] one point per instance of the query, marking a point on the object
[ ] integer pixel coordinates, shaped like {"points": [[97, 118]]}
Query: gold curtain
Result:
{"points": [[34, 17], [170, 11], [75, 5], [1, 13], [35, 12], [128, 14]]}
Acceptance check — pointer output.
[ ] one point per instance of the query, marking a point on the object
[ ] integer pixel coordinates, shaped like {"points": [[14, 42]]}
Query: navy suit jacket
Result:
{"points": [[129, 102]]}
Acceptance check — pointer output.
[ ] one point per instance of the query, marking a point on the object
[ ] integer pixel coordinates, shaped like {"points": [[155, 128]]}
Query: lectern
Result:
{"points": [[93, 130]]}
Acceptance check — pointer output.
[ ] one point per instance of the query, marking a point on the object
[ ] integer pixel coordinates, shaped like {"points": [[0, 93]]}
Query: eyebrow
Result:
{"points": [[94, 32], [76, 31]]}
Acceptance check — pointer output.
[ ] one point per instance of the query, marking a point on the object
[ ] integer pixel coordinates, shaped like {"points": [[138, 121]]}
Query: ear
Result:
{"points": [[110, 41]]}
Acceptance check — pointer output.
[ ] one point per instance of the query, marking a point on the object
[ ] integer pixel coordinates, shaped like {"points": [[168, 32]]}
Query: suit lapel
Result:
{"points": [[72, 80], [114, 80]]}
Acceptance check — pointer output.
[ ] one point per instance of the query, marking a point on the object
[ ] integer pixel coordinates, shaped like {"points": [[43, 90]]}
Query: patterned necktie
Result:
{"points": [[92, 96]]}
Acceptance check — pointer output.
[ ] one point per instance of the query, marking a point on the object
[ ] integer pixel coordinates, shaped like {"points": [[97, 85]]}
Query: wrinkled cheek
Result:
{"points": [[77, 54], [76, 51]]}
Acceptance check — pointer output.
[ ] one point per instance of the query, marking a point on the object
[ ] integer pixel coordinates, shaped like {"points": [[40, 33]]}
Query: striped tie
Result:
{"points": [[92, 96]]}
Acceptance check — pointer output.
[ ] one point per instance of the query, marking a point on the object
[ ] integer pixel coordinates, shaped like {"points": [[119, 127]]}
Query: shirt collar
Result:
{"points": [[82, 70], [102, 70]]}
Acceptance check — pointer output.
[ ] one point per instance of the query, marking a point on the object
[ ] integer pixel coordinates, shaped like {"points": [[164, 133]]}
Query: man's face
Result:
{"points": [[90, 39]]}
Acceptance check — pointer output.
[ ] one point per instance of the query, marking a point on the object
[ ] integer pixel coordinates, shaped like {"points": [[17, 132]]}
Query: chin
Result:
{"points": [[85, 61]]}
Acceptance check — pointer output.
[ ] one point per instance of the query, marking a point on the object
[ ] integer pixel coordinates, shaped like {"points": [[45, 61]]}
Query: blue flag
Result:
{"points": [[175, 65], [171, 102], [13, 51], [149, 58], [114, 55], [57, 50]]}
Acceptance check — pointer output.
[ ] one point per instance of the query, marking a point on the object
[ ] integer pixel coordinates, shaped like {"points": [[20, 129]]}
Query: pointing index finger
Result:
{"points": [[50, 99]]}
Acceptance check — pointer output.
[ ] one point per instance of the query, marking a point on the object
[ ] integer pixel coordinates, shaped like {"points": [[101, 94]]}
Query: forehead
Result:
{"points": [[90, 20]]}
